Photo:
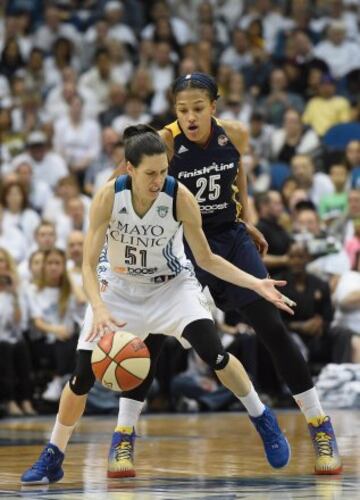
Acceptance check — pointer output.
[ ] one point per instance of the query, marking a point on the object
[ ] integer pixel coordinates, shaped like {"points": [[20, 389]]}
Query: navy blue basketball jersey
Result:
{"points": [[208, 172]]}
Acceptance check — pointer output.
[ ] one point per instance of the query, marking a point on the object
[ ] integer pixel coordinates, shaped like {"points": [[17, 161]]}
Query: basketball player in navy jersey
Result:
{"points": [[205, 155], [151, 287]]}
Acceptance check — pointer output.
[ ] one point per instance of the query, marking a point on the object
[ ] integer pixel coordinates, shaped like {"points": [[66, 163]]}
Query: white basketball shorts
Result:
{"points": [[151, 308]]}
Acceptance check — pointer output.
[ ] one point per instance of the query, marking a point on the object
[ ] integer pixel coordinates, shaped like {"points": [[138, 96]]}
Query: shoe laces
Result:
{"points": [[266, 428], [44, 461], [323, 443], [124, 448]]}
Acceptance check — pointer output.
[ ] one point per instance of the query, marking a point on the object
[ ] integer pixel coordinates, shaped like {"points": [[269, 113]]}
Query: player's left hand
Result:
{"points": [[258, 239], [266, 288]]}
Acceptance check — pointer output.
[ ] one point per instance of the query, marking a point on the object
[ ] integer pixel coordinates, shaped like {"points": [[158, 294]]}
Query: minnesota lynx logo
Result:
{"points": [[162, 211]]}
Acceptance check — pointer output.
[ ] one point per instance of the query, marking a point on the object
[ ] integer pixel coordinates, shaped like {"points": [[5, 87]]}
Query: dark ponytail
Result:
{"points": [[141, 140]]}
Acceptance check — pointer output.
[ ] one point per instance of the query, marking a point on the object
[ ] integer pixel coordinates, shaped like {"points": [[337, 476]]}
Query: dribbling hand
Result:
{"points": [[103, 323], [266, 288]]}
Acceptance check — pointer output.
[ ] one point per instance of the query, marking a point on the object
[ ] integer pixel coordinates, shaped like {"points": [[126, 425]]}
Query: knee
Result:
{"points": [[83, 377]]}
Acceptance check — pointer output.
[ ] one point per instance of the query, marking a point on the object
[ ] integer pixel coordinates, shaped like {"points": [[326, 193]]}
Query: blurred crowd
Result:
{"points": [[75, 73]]}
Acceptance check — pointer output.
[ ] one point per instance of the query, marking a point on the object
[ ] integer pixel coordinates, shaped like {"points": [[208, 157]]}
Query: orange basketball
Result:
{"points": [[120, 361]]}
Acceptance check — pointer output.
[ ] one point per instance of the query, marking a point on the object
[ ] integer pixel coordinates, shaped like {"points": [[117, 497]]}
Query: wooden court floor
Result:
{"points": [[215, 456]]}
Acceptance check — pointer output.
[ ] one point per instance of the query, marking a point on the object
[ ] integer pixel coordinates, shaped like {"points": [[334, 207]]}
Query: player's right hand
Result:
{"points": [[103, 322]]}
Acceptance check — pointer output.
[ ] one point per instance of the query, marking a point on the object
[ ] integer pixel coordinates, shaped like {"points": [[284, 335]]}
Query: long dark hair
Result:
{"points": [[141, 140]]}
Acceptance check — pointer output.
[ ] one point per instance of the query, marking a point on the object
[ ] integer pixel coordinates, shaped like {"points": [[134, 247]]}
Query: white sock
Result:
{"points": [[252, 403], [309, 404], [129, 412], [61, 434]]}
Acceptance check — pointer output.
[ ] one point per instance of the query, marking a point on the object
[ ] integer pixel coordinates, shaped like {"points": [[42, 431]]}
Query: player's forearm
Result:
{"points": [[91, 285], [222, 269], [241, 184]]}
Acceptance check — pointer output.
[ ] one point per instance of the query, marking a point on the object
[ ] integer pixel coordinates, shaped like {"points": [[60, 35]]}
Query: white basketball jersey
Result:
{"points": [[150, 248]]}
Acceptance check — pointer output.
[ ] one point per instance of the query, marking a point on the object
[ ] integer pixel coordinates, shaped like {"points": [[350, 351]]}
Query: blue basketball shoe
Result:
{"points": [[47, 469], [328, 460], [276, 446], [121, 453]]}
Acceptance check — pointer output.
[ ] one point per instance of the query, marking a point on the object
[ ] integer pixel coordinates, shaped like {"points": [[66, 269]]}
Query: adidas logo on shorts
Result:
{"points": [[219, 358]]}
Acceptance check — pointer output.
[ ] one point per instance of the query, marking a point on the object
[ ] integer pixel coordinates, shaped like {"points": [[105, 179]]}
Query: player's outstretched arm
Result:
{"points": [[189, 214], [100, 213]]}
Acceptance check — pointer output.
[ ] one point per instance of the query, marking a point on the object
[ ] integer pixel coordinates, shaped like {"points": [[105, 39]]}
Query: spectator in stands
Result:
{"points": [[352, 161], [66, 188], [238, 54], [52, 306], [113, 14], [316, 184], [328, 258], [270, 209], [77, 139], [135, 112], [34, 71], [53, 28], [16, 212], [37, 191], [314, 313], [62, 57], [117, 98], [36, 262], [334, 204], [343, 227], [11, 59], [104, 161], [260, 136], [12, 239], [326, 108], [15, 367], [346, 299], [340, 54], [47, 165], [75, 245], [293, 139], [123, 67], [280, 99]]}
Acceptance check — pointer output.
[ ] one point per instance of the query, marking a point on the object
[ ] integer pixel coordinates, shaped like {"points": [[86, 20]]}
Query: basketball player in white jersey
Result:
{"points": [[150, 287]]}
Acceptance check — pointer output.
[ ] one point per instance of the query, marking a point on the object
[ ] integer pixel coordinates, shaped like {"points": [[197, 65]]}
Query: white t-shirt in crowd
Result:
{"points": [[348, 283]]}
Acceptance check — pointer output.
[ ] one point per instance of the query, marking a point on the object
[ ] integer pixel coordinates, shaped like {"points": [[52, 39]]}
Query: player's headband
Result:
{"points": [[198, 81]]}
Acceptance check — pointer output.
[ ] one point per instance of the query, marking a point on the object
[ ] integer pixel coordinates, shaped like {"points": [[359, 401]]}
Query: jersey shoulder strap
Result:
{"points": [[121, 183]]}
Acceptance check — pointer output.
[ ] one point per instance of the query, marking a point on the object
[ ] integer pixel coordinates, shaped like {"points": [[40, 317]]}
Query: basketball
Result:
{"points": [[120, 361]]}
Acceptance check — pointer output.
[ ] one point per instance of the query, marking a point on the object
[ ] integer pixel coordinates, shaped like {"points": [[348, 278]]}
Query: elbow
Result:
{"points": [[204, 261]]}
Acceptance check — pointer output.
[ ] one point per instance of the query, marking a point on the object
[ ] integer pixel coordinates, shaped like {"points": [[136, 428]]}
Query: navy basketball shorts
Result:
{"points": [[236, 246]]}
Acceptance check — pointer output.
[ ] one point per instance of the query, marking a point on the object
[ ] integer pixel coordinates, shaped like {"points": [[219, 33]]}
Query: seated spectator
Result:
{"points": [[15, 367], [313, 313], [66, 188], [340, 54], [16, 212], [326, 108], [52, 305], [270, 209], [117, 98], [328, 259], [118, 30], [260, 137], [346, 300], [12, 239], [44, 240], [343, 227], [47, 165], [238, 54], [135, 112], [293, 139], [352, 245], [62, 56], [117, 158], [77, 139], [104, 161], [37, 191], [334, 204], [75, 248], [236, 108], [11, 58], [280, 99], [316, 184], [74, 219], [352, 161]]}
